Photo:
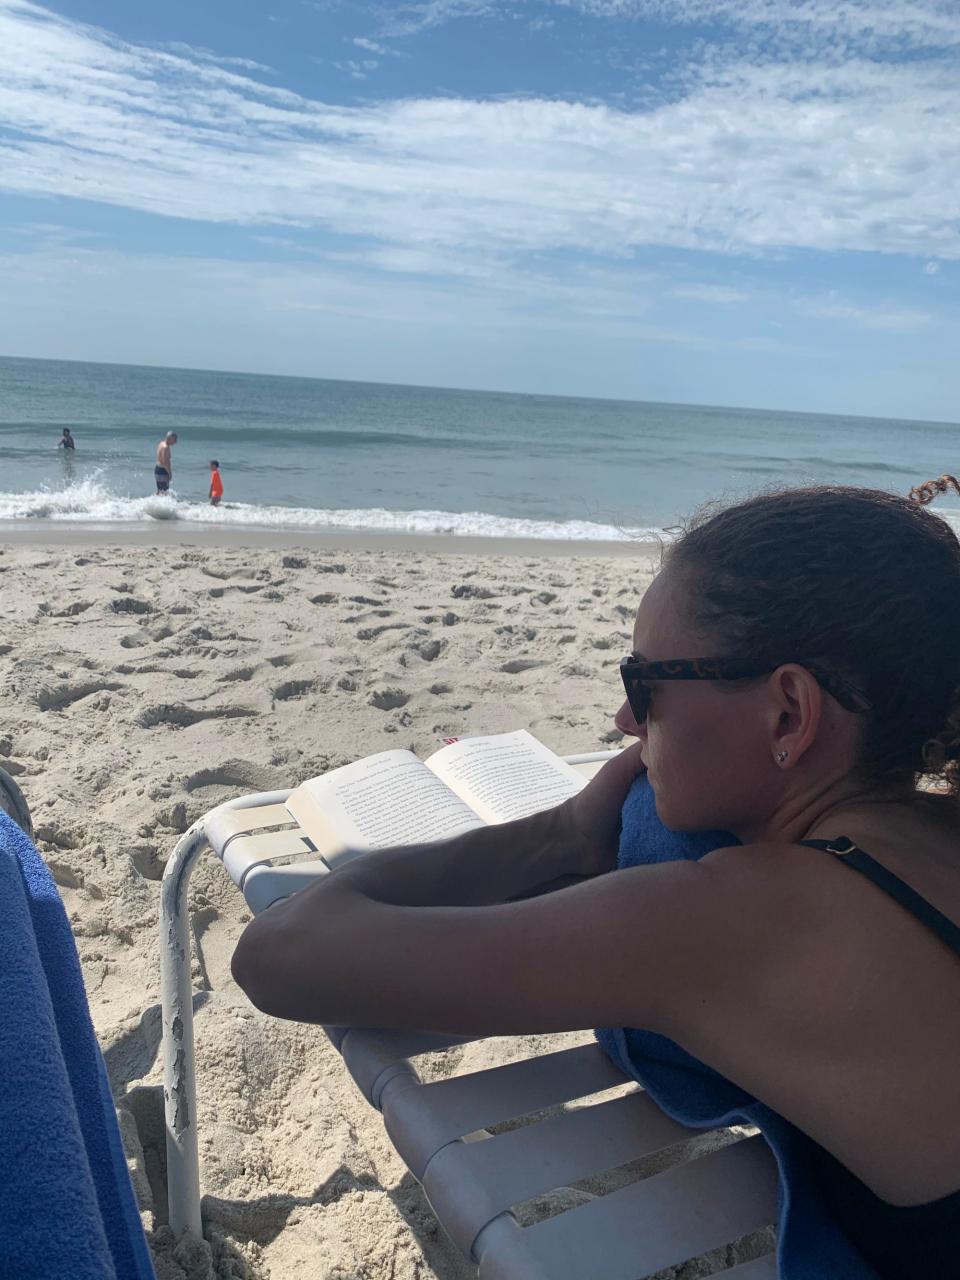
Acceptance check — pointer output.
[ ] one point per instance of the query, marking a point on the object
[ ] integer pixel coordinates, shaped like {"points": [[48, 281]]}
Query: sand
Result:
{"points": [[139, 686]]}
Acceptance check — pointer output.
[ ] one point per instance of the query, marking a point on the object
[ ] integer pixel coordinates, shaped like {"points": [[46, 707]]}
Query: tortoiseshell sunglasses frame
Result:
{"points": [[636, 671]]}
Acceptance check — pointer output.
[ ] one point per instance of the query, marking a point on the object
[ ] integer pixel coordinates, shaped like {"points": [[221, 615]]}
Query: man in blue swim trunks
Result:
{"points": [[163, 471]]}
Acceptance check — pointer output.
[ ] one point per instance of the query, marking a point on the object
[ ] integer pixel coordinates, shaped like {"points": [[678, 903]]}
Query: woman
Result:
{"points": [[794, 678]]}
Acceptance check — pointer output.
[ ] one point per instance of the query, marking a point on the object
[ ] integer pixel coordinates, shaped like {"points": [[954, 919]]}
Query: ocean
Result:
{"points": [[308, 453]]}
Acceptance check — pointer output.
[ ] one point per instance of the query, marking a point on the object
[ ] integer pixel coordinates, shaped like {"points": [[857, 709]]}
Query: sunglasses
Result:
{"points": [[635, 672]]}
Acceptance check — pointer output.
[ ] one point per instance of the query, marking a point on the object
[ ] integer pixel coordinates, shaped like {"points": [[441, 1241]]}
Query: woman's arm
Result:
{"points": [[511, 860], [377, 914], [614, 950]]}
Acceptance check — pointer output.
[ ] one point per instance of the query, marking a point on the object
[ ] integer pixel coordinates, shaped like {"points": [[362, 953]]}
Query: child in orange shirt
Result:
{"points": [[216, 484]]}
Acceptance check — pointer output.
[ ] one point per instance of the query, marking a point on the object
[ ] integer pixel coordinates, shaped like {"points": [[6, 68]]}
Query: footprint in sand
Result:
{"points": [[371, 633], [239, 673], [130, 604], [178, 715], [428, 650], [153, 668], [282, 660], [516, 665], [388, 699], [57, 697], [291, 689], [365, 615], [240, 775], [68, 611]]}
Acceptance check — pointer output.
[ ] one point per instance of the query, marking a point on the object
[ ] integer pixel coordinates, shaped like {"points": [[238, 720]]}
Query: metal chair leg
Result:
{"points": [[179, 1061]]}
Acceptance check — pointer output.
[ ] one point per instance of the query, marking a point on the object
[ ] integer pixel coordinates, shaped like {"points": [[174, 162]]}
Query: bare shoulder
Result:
{"points": [[800, 945], [753, 930], [738, 931]]}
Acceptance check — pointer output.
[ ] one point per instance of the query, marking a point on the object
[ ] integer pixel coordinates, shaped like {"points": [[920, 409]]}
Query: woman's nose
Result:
{"points": [[626, 722]]}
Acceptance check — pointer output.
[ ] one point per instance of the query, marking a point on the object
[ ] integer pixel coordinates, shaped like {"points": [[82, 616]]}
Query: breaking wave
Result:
{"points": [[90, 501]]}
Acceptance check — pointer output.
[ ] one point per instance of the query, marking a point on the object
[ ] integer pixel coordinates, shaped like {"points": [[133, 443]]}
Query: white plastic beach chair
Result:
{"points": [[475, 1180]]}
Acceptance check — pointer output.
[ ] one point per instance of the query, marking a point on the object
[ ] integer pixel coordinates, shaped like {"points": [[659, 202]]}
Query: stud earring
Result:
{"points": [[781, 756]]}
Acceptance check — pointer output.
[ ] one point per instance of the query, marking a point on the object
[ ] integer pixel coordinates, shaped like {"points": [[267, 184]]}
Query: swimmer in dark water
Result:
{"points": [[66, 441], [163, 471]]}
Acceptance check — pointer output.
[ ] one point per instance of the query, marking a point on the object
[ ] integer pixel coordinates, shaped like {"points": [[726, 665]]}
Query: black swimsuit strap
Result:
{"points": [[852, 856]]}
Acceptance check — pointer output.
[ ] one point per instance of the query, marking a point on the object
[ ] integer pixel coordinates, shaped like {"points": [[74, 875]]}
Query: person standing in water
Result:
{"points": [[216, 484], [66, 441], [163, 471]]}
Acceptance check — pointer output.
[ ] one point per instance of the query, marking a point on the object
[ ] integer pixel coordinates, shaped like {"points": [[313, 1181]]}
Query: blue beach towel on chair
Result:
{"points": [[811, 1245], [66, 1203]]}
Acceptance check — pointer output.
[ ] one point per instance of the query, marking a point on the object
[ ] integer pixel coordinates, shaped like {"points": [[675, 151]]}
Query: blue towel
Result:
{"points": [[66, 1204], [811, 1245]]}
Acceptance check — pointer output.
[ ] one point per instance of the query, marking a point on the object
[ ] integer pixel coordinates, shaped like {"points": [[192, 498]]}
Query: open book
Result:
{"points": [[394, 798]]}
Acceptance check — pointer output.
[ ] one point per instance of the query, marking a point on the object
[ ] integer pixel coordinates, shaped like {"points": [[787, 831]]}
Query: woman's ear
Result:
{"points": [[796, 711]]}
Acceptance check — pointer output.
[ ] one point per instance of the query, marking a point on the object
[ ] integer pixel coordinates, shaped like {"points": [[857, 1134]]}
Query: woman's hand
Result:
{"points": [[593, 815]]}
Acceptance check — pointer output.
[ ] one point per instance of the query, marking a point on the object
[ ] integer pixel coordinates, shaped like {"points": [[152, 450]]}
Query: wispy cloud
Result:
{"points": [[754, 154], [869, 24], [406, 19], [196, 53], [889, 317], [719, 293], [374, 46], [814, 27], [357, 68]]}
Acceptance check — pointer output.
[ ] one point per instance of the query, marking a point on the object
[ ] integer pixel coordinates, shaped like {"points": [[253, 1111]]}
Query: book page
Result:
{"points": [[507, 775], [387, 799]]}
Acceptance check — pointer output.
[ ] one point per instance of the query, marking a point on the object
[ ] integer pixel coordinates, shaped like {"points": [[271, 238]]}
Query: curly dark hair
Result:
{"points": [[857, 582]]}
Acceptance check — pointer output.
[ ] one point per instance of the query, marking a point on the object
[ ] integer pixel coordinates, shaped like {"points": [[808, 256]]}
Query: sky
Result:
{"points": [[742, 202]]}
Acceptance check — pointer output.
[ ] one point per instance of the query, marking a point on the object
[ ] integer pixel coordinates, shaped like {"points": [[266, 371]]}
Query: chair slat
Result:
{"points": [[421, 1121], [223, 825], [371, 1056], [244, 852], [638, 1230], [263, 885], [469, 1184]]}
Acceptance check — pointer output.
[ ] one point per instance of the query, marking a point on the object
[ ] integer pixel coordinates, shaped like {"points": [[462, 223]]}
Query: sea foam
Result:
{"points": [[90, 501]]}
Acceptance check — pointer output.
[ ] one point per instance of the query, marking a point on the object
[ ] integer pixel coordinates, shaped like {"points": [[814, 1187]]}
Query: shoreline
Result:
{"points": [[171, 533]]}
